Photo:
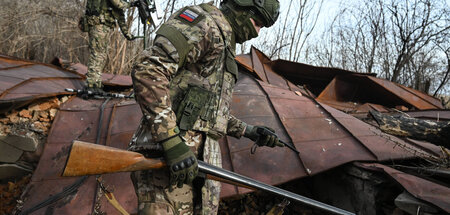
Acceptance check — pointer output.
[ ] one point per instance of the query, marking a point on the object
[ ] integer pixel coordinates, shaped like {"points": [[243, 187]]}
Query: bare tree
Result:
{"points": [[288, 37], [415, 25], [397, 39]]}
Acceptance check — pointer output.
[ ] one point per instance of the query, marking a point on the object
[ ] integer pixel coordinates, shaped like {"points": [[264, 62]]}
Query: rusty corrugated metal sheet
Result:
{"points": [[429, 191], [325, 137], [107, 78], [338, 88], [417, 99], [22, 82], [345, 91], [314, 78], [261, 66], [78, 120], [438, 115]]}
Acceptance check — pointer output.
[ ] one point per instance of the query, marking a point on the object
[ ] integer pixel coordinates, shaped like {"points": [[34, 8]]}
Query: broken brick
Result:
{"points": [[38, 125], [401, 108], [45, 106], [64, 99], [4, 120], [52, 113], [13, 118], [25, 113]]}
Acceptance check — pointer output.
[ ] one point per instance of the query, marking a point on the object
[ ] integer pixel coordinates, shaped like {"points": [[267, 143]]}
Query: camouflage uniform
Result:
{"points": [[202, 56], [100, 18]]}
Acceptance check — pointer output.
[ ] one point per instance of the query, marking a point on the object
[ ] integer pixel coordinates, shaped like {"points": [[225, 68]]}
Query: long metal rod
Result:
{"points": [[225, 174]]}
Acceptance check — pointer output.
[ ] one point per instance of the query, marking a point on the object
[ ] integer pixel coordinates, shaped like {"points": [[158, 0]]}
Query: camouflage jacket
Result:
{"points": [[194, 48]]}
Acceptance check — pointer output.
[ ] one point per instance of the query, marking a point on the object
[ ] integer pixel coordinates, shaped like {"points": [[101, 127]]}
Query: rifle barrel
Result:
{"points": [[289, 146], [228, 175], [91, 159]]}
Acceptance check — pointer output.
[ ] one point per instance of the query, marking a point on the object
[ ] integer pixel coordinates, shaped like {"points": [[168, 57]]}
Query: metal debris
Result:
{"points": [[267, 93]]}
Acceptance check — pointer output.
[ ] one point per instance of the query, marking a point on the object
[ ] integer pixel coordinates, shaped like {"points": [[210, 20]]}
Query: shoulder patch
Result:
{"points": [[188, 15]]}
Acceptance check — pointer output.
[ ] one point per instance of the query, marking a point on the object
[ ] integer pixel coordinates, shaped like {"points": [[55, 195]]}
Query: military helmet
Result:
{"points": [[267, 11]]}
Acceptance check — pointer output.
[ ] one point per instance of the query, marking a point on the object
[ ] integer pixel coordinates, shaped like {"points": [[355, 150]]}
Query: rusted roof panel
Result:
{"points": [[425, 97], [8, 62], [337, 87], [413, 97], [81, 201], [348, 92], [314, 78], [325, 137], [22, 82], [107, 78], [365, 108], [78, 120], [245, 61], [438, 115], [429, 191], [261, 66]]}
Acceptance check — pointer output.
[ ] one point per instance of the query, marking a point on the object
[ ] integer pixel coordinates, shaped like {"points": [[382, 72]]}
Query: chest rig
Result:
{"points": [[101, 12], [201, 100]]}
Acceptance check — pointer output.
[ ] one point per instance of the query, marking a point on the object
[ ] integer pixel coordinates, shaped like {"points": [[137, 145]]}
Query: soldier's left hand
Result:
{"points": [[263, 136], [129, 36], [134, 3]]}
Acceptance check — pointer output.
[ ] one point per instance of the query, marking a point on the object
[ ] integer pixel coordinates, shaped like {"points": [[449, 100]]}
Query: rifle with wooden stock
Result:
{"points": [[91, 159]]}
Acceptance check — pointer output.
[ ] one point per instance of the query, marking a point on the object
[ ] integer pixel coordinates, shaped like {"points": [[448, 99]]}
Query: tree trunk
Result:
{"points": [[434, 132]]}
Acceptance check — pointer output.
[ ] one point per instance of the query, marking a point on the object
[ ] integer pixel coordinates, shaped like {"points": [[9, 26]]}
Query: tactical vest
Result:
{"points": [[201, 100], [97, 7], [102, 12]]}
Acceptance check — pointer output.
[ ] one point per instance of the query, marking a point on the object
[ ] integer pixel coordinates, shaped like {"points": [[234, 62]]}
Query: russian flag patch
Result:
{"points": [[188, 15]]}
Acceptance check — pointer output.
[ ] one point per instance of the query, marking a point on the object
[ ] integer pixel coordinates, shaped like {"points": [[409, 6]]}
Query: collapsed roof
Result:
{"points": [[302, 103]]}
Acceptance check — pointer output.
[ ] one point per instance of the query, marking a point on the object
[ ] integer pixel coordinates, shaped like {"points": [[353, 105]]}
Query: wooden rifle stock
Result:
{"points": [[91, 159]]}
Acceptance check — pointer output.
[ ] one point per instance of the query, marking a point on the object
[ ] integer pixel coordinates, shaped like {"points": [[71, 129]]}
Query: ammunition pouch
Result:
{"points": [[83, 24], [100, 12], [196, 103], [230, 64]]}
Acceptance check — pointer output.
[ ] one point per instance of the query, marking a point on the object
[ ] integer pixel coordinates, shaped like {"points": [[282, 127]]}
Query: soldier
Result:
{"points": [[183, 84], [99, 19]]}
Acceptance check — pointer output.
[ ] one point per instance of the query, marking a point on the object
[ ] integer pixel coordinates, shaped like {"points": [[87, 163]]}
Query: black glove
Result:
{"points": [[262, 136], [182, 163], [134, 4], [128, 36]]}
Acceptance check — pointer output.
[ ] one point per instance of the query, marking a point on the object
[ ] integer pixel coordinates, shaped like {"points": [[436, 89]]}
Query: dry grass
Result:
{"points": [[40, 30]]}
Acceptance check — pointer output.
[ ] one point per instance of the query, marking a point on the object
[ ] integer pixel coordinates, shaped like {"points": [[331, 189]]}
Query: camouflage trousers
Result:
{"points": [[98, 47], [155, 196]]}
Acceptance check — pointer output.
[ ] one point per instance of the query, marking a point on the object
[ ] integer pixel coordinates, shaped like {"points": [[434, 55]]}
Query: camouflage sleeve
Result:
{"points": [[152, 73], [120, 4], [236, 127], [123, 24]]}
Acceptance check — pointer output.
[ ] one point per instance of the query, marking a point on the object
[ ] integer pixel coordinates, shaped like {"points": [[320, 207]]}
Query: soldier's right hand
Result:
{"points": [[180, 160], [263, 136]]}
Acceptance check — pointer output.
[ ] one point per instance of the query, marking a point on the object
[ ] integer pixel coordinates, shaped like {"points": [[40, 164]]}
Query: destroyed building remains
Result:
{"points": [[345, 159]]}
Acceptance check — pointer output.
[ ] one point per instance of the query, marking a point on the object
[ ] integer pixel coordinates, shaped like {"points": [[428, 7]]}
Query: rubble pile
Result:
{"points": [[10, 192], [22, 137], [260, 203]]}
